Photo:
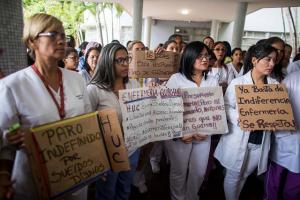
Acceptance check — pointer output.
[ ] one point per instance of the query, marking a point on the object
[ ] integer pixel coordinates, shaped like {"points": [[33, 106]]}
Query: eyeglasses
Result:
{"points": [[220, 49], [125, 60], [206, 56], [53, 35], [75, 58], [268, 60]]}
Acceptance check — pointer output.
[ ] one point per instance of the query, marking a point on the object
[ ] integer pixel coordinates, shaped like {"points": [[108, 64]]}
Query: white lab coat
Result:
{"points": [[293, 67], [220, 73], [184, 183], [25, 99], [285, 149], [232, 147], [233, 73]]}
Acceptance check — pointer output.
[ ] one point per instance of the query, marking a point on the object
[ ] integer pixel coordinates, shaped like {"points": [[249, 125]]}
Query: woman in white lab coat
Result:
{"points": [[283, 176], [219, 70], [189, 155], [241, 152], [235, 67], [39, 94]]}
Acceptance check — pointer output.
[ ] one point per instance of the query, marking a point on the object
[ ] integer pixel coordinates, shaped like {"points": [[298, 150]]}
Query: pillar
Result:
{"points": [[214, 30], [13, 51], [147, 31], [137, 19], [239, 23]]}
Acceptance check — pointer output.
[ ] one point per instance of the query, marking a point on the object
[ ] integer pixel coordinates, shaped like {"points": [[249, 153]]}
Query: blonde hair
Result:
{"points": [[39, 23]]}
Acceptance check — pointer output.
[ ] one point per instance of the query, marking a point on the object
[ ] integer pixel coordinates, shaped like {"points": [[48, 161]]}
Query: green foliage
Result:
{"points": [[70, 12]]}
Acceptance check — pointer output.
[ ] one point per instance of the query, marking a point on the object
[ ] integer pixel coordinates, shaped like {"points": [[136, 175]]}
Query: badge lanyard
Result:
{"points": [[61, 108]]}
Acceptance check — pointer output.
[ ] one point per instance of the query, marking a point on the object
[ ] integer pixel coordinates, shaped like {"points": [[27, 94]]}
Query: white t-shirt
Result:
{"points": [[179, 80]]}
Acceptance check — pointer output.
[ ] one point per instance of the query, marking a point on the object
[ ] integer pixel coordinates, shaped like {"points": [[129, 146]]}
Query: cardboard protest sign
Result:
{"points": [[264, 107], [150, 114], [147, 64], [204, 111], [114, 140], [68, 154]]}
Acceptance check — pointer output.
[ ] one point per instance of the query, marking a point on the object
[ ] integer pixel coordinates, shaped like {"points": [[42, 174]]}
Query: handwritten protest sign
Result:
{"points": [[68, 154], [114, 140], [146, 64], [150, 114], [264, 107], [204, 111]]}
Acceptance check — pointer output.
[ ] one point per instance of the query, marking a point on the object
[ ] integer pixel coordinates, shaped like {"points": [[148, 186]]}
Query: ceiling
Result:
{"points": [[200, 10]]}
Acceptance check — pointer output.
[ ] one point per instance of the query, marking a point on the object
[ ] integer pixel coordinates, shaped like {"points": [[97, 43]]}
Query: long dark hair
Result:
{"points": [[105, 74], [258, 51], [277, 70], [189, 57]]}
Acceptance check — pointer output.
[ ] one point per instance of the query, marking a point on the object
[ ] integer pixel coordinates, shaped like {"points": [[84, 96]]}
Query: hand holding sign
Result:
{"points": [[16, 135], [199, 137], [187, 139], [69, 154]]}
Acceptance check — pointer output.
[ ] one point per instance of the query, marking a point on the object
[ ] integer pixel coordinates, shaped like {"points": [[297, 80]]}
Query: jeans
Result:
{"points": [[117, 184]]}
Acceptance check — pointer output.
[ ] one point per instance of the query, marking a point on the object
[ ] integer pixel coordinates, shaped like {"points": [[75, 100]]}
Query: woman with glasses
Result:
{"points": [[110, 77], [240, 151], [220, 70], [92, 53], [39, 94], [71, 59], [189, 155]]}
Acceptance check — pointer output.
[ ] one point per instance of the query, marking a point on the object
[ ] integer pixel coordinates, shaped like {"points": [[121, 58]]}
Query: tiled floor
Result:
{"points": [[158, 186]]}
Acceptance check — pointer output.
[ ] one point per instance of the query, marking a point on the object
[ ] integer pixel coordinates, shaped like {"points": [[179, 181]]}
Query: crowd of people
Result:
{"points": [[63, 82]]}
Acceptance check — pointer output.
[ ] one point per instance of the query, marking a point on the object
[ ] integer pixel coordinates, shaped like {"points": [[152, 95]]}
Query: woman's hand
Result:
{"points": [[199, 137], [17, 137], [152, 84], [6, 189], [159, 50], [187, 139]]}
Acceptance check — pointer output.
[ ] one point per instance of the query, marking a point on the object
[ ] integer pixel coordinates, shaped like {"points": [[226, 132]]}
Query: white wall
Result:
{"points": [[162, 29], [263, 20], [225, 32], [266, 20]]}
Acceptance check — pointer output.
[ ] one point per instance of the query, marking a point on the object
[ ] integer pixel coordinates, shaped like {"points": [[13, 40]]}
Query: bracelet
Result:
{"points": [[4, 173]]}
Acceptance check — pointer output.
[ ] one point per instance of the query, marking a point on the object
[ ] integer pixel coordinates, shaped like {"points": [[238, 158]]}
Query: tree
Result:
{"points": [[69, 12]]}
